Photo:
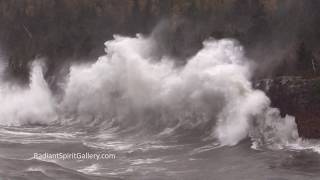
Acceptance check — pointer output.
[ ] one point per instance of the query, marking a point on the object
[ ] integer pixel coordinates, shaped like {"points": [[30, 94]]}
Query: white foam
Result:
{"points": [[33, 104], [129, 88]]}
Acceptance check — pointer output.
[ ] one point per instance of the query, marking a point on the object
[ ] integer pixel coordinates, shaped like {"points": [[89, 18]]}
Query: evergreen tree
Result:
{"points": [[241, 8], [165, 7], [240, 19], [260, 25], [193, 12], [304, 58], [148, 16], [251, 20], [134, 21]]}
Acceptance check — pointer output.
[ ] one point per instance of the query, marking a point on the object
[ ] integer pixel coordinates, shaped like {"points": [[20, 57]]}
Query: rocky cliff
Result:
{"points": [[298, 97]]}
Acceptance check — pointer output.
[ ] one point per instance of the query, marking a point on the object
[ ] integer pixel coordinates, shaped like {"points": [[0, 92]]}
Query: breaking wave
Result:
{"points": [[130, 90]]}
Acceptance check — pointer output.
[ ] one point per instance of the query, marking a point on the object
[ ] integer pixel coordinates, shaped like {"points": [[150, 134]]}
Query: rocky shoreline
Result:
{"points": [[296, 96]]}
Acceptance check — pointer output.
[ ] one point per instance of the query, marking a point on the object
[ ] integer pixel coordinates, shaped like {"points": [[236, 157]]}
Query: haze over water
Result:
{"points": [[202, 120]]}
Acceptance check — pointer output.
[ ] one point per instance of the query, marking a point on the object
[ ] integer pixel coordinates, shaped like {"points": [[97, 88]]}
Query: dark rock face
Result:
{"points": [[298, 97], [64, 30]]}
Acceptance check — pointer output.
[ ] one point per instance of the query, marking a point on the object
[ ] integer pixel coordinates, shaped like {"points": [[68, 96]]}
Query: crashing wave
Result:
{"points": [[127, 88]]}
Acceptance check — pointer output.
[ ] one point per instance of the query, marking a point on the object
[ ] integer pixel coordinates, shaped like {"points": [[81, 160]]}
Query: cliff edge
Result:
{"points": [[299, 97]]}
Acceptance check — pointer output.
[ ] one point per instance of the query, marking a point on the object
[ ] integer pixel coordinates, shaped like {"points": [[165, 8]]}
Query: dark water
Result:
{"points": [[140, 157], [161, 122]]}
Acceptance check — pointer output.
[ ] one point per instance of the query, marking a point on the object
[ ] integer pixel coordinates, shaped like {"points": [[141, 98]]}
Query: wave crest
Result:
{"points": [[211, 96]]}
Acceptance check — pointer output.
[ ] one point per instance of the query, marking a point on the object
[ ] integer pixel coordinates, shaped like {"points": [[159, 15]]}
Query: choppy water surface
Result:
{"points": [[143, 158], [203, 120]]}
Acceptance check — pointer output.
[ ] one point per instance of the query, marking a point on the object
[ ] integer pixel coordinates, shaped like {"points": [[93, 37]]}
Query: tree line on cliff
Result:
{"points": [[280, 35]]}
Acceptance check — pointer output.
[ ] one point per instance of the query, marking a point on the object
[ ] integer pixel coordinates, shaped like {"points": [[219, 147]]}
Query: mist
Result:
{"points": [[211, 96], [171, 89]]}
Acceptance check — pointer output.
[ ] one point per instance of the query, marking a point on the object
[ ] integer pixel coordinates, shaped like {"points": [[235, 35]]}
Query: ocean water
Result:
{"points": [[138, 158], [202, 120]]}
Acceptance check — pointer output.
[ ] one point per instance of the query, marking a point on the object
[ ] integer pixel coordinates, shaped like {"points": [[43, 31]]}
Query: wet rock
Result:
{"points": [[298, 97]]}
